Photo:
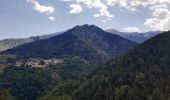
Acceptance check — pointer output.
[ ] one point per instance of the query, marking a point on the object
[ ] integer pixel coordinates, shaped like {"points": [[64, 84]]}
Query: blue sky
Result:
{"points": [[23, 18]]}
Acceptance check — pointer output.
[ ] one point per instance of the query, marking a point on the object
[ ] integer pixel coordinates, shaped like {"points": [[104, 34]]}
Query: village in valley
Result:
{"points": [[39, 63]]}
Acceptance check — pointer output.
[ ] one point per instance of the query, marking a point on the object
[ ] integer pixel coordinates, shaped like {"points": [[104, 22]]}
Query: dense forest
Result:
{"points": [[141, 74]]}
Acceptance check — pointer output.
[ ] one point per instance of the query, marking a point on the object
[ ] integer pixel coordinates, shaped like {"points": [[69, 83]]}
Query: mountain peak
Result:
{"points": [[86, 31], [87, 27]]}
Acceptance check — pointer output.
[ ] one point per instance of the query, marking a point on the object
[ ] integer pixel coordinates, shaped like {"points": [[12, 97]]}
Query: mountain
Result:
{"points": [[11, 43], [135, 36], [88, 42], [60, 63], [141, 74]]}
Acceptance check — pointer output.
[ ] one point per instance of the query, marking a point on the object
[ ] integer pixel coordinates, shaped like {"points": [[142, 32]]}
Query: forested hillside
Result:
{"points": [[141, 74]]}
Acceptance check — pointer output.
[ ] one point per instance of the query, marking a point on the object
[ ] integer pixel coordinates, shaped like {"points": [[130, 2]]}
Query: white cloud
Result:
{"points": [[160, 19], [161, 12], [91, 4], [131, 29], [160, 9], [75, 9], [158, 24], [103, 21], [103, 13], [131, 5], [152, 22], [134, 5], [42, 8], [51, 18], [158, 6], [102, 9]]}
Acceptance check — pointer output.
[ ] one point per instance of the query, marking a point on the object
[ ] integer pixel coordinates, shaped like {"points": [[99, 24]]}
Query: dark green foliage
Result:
{"points": [[64, 97], [5, 95], [125, 92], [73, 68], [158, 95], [141, 74], [25, 83]]}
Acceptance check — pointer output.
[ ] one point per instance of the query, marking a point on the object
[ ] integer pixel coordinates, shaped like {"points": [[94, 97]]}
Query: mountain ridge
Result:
{"points": [[135, 36], [14, 42], [89, 36]]}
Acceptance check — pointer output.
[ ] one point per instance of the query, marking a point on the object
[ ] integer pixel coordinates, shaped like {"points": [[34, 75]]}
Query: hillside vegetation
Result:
{"points": [[141, 74]]}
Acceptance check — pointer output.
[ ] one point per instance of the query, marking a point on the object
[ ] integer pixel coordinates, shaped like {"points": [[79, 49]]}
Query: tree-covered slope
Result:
{"points": [[142, 74]]}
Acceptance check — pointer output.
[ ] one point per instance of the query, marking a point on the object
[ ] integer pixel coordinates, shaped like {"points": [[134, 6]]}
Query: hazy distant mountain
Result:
{"points": [[141, 74], [11, 43], [135, 36]]}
